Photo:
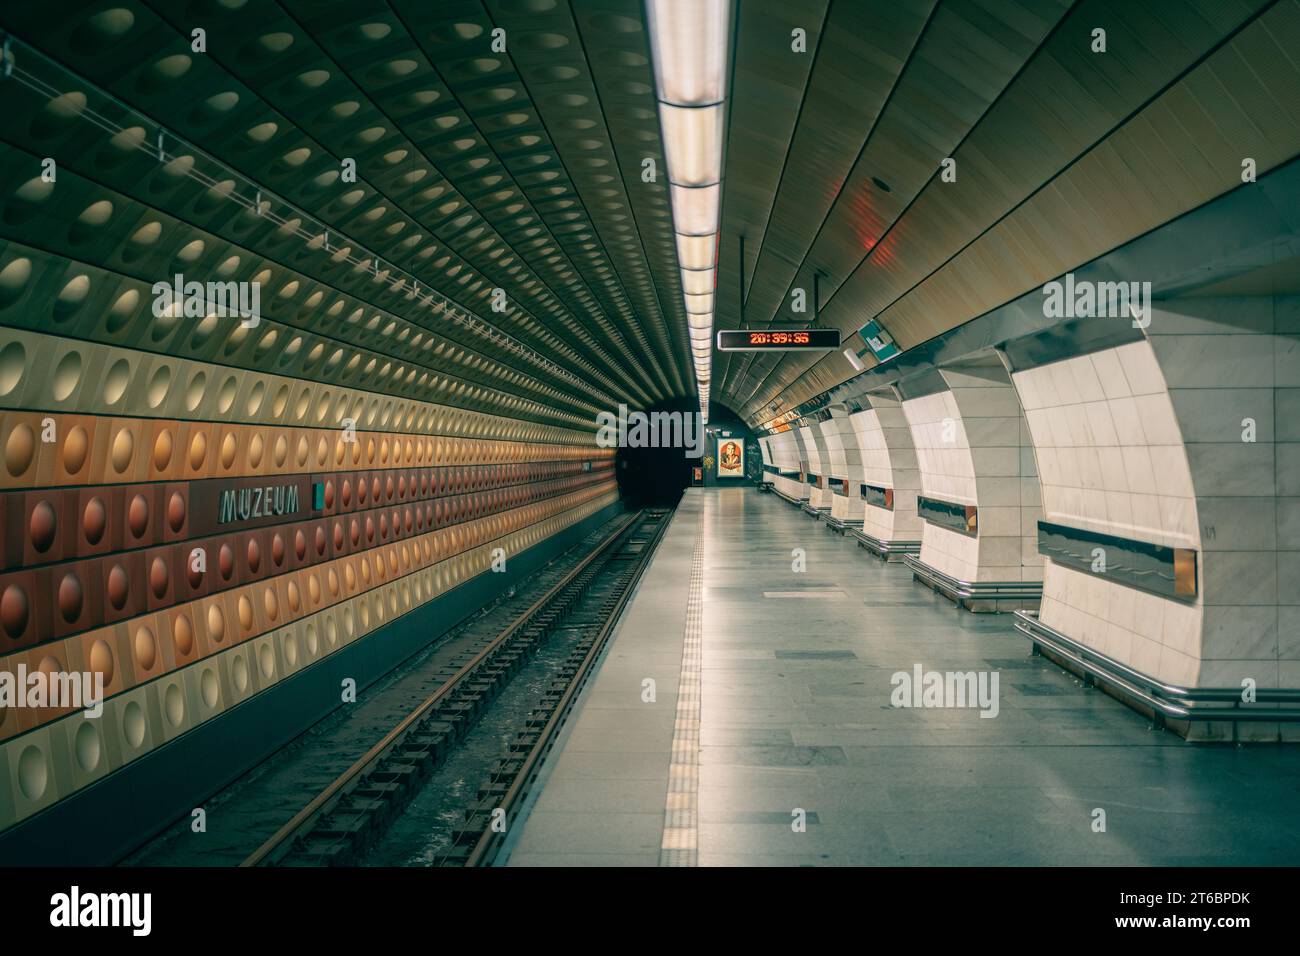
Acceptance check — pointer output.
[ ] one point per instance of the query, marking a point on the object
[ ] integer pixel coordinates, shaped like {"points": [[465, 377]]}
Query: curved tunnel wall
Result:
{"points": [[806, 453], [310, 541], [118, 454]]}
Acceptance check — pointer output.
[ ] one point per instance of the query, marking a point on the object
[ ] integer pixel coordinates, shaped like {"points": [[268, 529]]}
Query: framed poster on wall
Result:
{"points": [[731, 458]]}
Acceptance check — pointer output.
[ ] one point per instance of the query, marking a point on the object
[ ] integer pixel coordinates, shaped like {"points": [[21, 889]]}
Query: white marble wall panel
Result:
{"points": [[834, 461], [785, 453], [973, 448], [787, 456], [815, 448], [846, 463], [1103, 428], [888, 461], [1232, 370], [1191, 439], [790, 486]]}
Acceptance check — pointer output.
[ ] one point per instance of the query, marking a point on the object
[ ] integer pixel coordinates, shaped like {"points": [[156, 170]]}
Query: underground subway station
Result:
{"points": [[563, 438]]}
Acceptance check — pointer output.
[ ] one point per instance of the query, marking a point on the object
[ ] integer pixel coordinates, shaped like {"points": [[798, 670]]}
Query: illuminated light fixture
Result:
{"points": [[697, 281], [695, 252], [692, 143], [856, 362], [699, 304], [695, 209], [688, 40]]}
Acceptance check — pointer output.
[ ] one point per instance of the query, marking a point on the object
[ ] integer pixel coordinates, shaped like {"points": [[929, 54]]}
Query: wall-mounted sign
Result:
{"points": [[216, 504], [269, 501], [731, 458], [881, 342]]}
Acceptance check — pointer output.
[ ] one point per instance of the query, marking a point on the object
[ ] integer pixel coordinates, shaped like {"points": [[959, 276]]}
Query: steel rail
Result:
{"points": [[486, 847], [282, 840]]}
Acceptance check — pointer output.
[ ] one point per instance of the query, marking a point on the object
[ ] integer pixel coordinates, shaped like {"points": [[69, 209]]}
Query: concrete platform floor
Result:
{"points": [[794, 714]]}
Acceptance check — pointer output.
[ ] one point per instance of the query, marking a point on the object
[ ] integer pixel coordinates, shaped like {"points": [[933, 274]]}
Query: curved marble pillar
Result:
{"points": [[974, 450], [765, 448], [888, 463], [814, 446], [787, 455], [845, 465], [1190, 439]]}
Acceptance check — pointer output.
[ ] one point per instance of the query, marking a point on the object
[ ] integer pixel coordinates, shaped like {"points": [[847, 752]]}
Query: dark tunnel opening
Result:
{"points": [[655, 476]]}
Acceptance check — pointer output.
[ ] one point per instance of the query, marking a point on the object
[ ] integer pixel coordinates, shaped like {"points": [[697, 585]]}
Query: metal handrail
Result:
{"points": [[1169, 700], [883, 547], [966, 590], [792, 500]]}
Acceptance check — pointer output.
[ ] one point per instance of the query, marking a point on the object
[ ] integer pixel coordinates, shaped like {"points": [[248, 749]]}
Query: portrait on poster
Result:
{"points": [[731, 458]]}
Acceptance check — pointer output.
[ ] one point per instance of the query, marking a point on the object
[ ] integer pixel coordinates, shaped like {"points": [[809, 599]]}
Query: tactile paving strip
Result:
{"points": [[680, 845]]}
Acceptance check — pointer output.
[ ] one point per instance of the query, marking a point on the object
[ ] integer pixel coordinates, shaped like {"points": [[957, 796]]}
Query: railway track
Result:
{"points": [[349, 814]]}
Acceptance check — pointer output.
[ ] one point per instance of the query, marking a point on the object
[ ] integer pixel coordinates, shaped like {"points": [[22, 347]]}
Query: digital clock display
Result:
{"points": [[777, 340]]}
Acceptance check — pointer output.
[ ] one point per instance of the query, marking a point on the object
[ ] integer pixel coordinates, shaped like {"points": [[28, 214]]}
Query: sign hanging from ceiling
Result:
{"points": [[778, 340], [881, 342]]}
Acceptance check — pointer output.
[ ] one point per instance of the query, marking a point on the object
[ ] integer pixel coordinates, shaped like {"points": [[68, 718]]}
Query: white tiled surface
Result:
{"points": [[888, 461], [950, 552], [785, 451], [1155, 635], [971, 448], [811, 451], [789, 486], [1110, 453], [1111, 458], [942, 449], [818, 464], [849, 442], [834, 461], [848, 508]]}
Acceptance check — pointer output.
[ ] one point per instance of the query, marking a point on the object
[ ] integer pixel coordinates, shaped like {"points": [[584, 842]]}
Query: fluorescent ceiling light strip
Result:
{"points": [[695, 252], [692, 143], [695, 209], [689, 41], [700, 304], [697, 281]]}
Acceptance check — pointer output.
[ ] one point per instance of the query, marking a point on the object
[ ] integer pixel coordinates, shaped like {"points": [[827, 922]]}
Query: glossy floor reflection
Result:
{"points": [[795, 715]]}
